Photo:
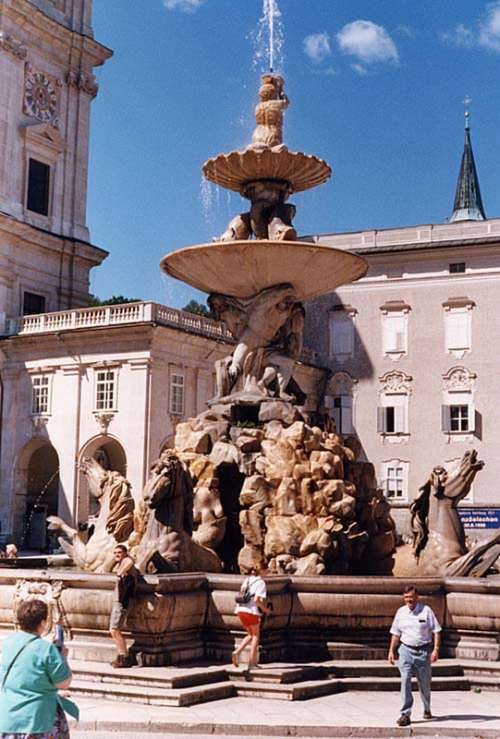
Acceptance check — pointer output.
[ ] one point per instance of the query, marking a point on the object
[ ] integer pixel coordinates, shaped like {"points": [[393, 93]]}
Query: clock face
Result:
{"points": [[40, 97]]}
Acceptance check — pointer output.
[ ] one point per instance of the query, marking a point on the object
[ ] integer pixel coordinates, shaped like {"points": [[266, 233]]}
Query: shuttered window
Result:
{"points": [[392, 415], [341, 410], [458, 413], [341, 334], [457, 329], [395, 333]]}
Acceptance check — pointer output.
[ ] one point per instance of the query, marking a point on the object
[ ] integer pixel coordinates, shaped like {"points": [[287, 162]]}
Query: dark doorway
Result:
{"points": [[230, 484]]}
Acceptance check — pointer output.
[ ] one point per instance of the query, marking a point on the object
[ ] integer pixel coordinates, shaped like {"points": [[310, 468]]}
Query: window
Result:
{"points": [[395, 333], [33, 304], [458, 414], [394, 482], [457, 267], [40, 385], [37, 199], [341, 334], [392, 415], [340, 408], [394, 474], [177, 394], [457, 329], [105, 390]]}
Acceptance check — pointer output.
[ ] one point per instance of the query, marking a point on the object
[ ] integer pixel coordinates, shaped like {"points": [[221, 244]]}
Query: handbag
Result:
{"points": [[244, 596]]}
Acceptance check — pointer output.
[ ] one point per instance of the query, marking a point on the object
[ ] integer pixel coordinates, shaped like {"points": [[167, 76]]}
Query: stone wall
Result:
{"points": [[177, 618]]}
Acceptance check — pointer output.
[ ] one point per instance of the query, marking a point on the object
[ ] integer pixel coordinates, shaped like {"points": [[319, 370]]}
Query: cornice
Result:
{"points": [[12, 45], [35, 23], [50, 240]]}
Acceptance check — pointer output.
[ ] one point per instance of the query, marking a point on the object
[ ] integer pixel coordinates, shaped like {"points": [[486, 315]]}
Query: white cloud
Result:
{"points": [[489, 28], [459, 36], [317, 47], [359, 69], [368, 42], [186, 6]]}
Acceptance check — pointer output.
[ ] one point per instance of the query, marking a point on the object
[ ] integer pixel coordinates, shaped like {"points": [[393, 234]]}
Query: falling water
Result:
{"points": [[207, 200], [38, 500], [269, 39]]}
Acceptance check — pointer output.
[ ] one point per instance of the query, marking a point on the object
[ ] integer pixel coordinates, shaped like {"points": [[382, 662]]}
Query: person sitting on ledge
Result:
{"points": [[11, 551], [417, 632], [124, 589]]}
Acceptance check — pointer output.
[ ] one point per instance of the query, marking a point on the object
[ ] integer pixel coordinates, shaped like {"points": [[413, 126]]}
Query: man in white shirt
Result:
{"points": [[417, 632]]}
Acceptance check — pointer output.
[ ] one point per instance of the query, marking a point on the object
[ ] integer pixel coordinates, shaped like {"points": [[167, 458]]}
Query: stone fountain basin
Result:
{"points": [[242, 269], [180, 617], [234, 170]]}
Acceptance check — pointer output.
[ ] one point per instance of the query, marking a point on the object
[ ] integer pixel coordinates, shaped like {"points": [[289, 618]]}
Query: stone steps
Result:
{"points": [[287, 691], [125, 691], [189, 685], [381, 668], [157, 677], [447, 682]]}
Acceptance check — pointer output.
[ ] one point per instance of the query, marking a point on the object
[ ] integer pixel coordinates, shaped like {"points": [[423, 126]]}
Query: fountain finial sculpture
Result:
{"points": [[269, 112]]}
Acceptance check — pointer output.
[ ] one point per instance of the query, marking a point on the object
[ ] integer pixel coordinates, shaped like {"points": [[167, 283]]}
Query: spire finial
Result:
{"points": [[468, 205], [467, 101]]}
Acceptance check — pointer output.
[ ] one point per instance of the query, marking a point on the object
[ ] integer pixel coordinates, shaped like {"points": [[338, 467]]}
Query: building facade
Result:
{"points": [[411, 350]]}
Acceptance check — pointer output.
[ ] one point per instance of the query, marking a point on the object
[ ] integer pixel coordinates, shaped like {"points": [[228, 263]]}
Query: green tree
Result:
{"points": [[113, 300], [194, 307]]}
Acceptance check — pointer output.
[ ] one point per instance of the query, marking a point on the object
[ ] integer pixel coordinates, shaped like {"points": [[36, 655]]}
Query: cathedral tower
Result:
{"points": [[47, 57]]}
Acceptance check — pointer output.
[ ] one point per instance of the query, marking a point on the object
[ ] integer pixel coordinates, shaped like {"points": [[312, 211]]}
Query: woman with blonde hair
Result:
{"points": [[251, 604]]}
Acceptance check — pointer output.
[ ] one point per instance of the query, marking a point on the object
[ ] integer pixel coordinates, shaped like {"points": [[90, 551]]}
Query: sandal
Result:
{"points": [[234, 659]]}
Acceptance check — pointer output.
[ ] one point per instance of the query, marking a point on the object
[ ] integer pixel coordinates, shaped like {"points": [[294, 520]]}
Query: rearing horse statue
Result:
{"points": [[438, 533], [164, 522]]}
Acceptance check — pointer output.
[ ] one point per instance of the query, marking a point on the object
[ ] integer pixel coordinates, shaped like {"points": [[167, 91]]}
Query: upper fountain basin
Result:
{"points": [[234, 170], [242, 269]]}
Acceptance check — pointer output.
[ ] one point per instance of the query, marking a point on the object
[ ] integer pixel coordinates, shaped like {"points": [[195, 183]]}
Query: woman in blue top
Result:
{"points": [[33, 670]]}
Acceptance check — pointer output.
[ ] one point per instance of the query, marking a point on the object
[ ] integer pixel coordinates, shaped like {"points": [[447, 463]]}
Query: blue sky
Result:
{"points": [[376, 89]]}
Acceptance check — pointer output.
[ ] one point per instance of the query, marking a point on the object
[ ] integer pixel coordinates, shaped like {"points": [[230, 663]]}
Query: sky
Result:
{"points": [[376, 88]]}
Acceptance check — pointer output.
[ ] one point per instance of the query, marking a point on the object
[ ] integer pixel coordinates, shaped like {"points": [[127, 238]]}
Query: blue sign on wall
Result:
{"points": [[480, 518]]}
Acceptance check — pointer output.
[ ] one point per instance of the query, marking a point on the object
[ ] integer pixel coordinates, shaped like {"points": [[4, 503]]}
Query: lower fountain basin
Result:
{"points": [[242, 269]]}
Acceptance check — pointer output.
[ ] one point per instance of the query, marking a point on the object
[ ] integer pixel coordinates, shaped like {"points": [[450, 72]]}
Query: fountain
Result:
{"points": [[256, 476]]}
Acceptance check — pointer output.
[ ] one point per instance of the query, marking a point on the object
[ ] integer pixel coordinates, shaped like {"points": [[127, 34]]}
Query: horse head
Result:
{"points": [[161, 480], [460, 479], [95, 475]]}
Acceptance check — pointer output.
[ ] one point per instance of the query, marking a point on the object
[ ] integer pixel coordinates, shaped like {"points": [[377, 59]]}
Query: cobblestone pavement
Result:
{"points": [[466, 714]]}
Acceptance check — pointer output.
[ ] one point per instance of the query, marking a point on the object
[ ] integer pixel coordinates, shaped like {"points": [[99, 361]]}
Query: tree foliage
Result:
{"points": [[113, 300], [194, 307]]}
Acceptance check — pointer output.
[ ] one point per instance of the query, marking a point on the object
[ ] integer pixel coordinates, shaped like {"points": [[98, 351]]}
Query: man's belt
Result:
{"points": [[419, 648]]}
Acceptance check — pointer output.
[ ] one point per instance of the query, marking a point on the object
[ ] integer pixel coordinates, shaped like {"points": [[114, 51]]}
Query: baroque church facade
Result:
{"points": [[404, 358]]}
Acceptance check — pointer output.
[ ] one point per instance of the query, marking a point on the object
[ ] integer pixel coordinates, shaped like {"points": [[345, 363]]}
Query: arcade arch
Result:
{"points": [[36, 492]]}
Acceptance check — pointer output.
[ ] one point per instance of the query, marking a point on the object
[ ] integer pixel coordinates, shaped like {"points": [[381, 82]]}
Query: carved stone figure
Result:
{"points": [[269, 112], [166, 522], [268, 328], [438, 533], [113, 525], [270, 216]]}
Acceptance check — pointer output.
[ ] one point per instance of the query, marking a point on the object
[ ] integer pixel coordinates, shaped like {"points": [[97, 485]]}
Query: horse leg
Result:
{"points": [[472, 562]]}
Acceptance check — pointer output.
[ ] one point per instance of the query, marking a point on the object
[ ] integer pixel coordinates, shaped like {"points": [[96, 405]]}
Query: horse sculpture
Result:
{"points": [[164, 522], [114, 524], [438, 533]]}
